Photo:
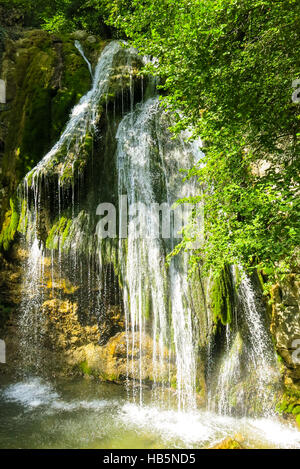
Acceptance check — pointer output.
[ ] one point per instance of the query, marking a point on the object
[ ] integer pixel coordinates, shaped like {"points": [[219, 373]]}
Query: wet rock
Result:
{"points": [[228, 443], [91, 40], [109, 362], [79, 35], [43, 84], [285, 326]]}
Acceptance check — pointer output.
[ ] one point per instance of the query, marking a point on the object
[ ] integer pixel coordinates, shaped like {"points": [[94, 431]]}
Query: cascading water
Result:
{"points": [[261, 352], [32, 319], [229, 373], [84, 115], [249, 363], [81, 51], [148, 169]]}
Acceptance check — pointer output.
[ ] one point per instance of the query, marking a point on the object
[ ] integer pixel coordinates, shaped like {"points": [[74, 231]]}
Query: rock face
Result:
{"points": [[68, 331], [45, 76], [71, 339], [285, 326], [109, 362], [60, 321]]}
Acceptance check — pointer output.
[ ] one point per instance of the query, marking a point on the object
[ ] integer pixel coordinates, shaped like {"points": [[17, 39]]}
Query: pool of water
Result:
{"points": [[87, 414]]}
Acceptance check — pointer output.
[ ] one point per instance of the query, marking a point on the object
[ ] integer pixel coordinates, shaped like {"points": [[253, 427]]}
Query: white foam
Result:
{"points": [[184, 429], [95, 405], [31, 393], [35, 393], [281, 435], [206, 428]]}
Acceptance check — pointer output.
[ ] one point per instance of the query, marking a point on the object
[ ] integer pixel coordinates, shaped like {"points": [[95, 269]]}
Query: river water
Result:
{"points": [[86, 414]]}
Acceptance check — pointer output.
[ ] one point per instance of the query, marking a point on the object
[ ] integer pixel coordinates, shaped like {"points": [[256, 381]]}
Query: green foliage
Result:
{"points": [[290, 404], [222, 297], [63, 15], [229, 66]]}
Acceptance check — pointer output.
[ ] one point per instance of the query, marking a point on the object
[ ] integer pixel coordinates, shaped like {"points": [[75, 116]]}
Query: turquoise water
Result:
{"points": [[87, 414]]}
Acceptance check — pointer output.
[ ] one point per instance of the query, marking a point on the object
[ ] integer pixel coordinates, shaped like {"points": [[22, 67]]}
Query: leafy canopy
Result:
{"points": [[62, 15], [229, 66]]}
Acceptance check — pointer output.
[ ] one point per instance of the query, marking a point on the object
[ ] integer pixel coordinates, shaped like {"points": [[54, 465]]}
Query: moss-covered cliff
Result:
{"points": [[45, 76]]}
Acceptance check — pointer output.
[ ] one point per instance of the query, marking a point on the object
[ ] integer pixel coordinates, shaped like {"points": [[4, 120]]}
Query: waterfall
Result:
{"points": [[31, 322], [84, 116], [162, 339], [148, 168], [229, 373], [248, 367], [81, 51], [261, 352]]}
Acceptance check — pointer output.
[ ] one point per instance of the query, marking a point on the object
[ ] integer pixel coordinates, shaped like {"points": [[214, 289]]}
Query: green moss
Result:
{"points": [[9, 227], [279, 358], [86, 370], [296, 410], [31, 110], [109, 377], [49, 78], [173, 382], [66, 231], [147, 307], [58, 233], [222, 297], [290, 403], [290, 408], [51, 242], [23, 221], [75, 161], [261, 279]]}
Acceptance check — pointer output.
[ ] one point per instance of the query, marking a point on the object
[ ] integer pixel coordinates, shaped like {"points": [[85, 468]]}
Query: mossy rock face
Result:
{"points": [[289, 405], [9, 227], [45, 77], [285, 326], [222, 299], [109, 362]]}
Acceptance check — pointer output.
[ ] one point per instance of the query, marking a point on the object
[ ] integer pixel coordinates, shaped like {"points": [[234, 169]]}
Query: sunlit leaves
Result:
{"points": [[229, 66]]}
